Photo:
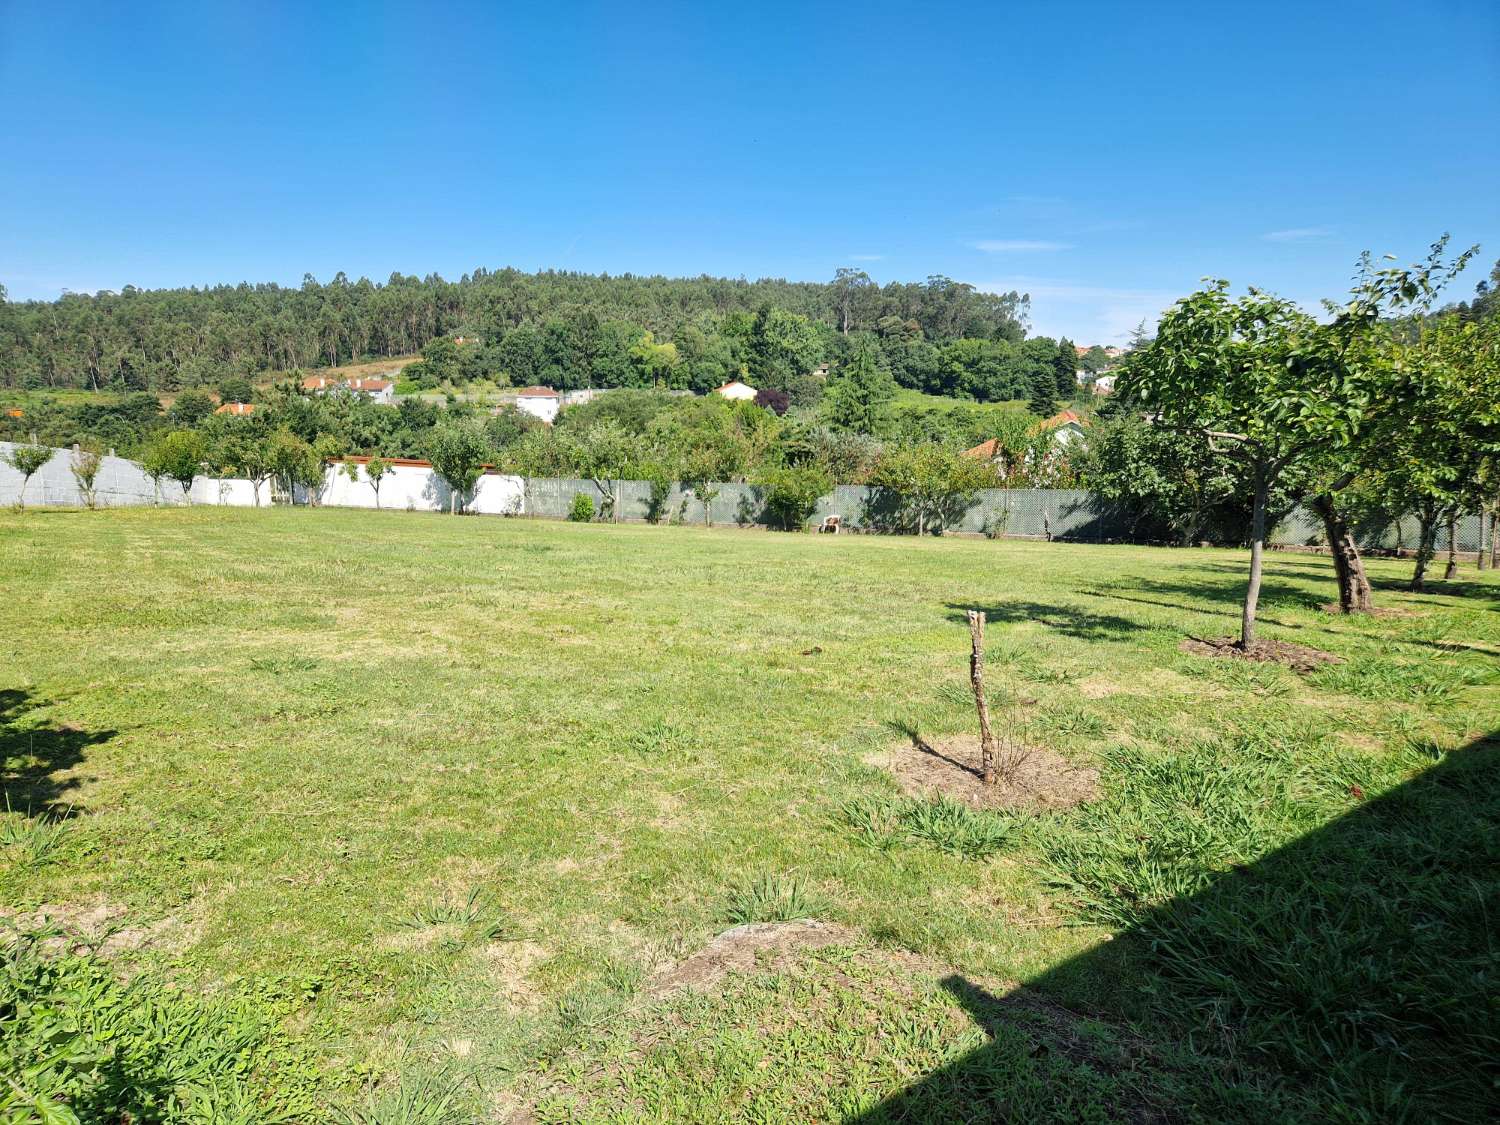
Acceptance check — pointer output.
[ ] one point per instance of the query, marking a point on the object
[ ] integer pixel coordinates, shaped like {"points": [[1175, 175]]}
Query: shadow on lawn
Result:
{"points": [[32, 753], [1351, 973], [1066, 619]]}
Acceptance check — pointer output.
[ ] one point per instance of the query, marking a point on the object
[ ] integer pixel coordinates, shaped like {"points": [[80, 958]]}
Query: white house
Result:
{"points": [[539, 402], [737, 392], [374, 388], [1104, 385], [382, 391]]}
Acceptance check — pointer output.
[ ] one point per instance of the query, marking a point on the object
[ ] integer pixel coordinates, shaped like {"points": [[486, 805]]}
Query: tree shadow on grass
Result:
{"points": [[1355, 968], [32, 754], [1070, 620], [909, 731]]}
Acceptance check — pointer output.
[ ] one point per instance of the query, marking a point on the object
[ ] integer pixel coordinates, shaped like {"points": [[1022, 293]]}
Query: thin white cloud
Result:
{"points": [[1020, 245], [1085, 314], [1297, 234], [866, 257]]}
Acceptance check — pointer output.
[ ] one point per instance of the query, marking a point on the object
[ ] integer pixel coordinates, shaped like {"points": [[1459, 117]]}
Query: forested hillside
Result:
{"points": [[564, 329]]}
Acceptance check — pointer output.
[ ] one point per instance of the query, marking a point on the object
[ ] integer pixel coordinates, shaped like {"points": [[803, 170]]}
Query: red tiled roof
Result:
{"points": [[1061, 418], [985, 450], [536, 392], [239, 409]]}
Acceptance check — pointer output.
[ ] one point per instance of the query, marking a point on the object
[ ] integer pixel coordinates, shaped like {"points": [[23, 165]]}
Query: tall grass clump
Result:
{"points": [[772, 898], [79, 1045], [941, 823]]}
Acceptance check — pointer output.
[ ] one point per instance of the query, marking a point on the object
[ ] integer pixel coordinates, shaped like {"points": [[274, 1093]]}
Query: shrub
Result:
{"points": [[791, 495], [996, 525], [660, 481], [582, 510], [85, 466], [924, 488]]}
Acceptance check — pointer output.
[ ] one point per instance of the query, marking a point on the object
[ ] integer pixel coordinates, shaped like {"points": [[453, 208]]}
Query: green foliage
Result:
{"points": [[1173, 480], [79, 1045], [660, 482], [922, 488], [416, 1098], [772, 898], [236, 389], [858, 395], [883, 822], [791, 494], [293, 462], [582, 510], [656, 362], [177, 456], [458, 451], [26, 460], [191, 407]]}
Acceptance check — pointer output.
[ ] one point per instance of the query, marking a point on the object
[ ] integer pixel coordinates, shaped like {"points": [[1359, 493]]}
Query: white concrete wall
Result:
{"points": [[229, 492], [417, 488]]}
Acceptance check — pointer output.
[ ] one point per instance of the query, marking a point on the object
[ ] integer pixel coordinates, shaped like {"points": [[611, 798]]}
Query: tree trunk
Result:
{"points": [[1426, 535], [1494, 537], [1481, 559], [1257, 548], [1451, 570], [1354, 585], [976, 681]]}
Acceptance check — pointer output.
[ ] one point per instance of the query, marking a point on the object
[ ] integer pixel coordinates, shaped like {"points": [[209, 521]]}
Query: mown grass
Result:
{"points": [[443, 792]]}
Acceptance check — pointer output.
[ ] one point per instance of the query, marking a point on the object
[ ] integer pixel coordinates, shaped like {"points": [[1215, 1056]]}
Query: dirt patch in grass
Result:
{"points": [[755, 945], [1299, 658], [509, 964], [103, 927], [950, 767]]}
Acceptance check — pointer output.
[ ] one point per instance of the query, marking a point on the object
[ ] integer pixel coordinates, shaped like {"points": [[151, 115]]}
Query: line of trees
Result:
{"points": [[1384, 406], [564, 329]]}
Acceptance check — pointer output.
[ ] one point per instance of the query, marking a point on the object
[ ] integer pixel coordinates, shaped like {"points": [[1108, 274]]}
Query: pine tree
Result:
{"points": [[857, 398], [1065, 366], [1043, 394]]}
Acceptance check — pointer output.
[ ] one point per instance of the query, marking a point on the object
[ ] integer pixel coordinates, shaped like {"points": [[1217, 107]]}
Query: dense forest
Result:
{"points": [[563, 329]]}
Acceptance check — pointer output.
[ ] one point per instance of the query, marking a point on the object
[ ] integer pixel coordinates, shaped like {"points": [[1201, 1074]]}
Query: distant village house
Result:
{"points": [[539, 402], [737, 392]]}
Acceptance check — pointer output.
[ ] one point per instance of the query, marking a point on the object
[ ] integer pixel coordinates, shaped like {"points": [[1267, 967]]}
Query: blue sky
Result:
{"points": [[1103, 156]]}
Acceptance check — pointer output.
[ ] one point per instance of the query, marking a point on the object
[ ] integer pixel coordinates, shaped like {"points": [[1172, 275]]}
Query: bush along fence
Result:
{"points": [[1069, 514]]}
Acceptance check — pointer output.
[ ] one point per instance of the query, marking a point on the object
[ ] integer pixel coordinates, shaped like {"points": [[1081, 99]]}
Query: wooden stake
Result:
{"points": [[976, 681]]}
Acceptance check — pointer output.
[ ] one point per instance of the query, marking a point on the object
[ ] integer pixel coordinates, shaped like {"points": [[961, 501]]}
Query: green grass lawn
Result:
{"points": [[432, 799]]}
